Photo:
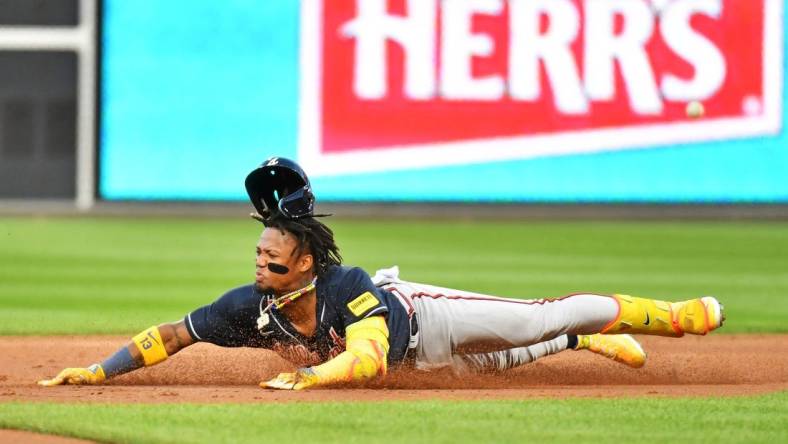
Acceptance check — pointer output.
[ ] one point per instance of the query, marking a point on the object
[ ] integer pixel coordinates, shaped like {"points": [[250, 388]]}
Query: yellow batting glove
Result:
{"points": [[76, 376], [305, 378], [285, 381], [301, 379]]}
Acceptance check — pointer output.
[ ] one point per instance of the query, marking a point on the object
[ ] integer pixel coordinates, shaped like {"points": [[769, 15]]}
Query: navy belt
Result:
{"points": [[414, 332], [409, 360]]}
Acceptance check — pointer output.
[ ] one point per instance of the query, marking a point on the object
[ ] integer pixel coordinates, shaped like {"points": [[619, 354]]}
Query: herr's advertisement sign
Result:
{"points": [[402, 84]]}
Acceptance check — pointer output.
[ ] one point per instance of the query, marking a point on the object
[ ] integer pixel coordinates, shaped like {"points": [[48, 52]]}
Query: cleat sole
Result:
{"points": [[714, 310]]}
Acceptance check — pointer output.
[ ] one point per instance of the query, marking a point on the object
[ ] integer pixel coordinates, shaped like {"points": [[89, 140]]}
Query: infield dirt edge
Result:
{"points": [[715, 365]]}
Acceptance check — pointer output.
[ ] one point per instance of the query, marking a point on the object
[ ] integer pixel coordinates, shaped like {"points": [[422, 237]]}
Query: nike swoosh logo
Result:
{"points": [[648, 320]]}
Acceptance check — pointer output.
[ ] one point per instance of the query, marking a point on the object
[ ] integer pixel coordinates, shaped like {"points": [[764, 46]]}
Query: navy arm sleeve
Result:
{"points": [[229, 321]]}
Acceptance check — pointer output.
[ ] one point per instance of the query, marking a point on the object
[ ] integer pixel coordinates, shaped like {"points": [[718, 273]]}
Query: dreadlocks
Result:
{"points": [[312, 236]]}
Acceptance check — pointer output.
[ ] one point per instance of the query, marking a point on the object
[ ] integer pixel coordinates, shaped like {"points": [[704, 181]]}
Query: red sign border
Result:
{"points": [[521, 147]]}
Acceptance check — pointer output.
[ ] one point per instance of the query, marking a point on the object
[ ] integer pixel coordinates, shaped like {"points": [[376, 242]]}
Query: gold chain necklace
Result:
{"points": [[293, 295], [280, 302]]}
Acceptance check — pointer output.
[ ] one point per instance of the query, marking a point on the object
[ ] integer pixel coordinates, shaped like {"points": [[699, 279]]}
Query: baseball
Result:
{"points": [[695, 109]]}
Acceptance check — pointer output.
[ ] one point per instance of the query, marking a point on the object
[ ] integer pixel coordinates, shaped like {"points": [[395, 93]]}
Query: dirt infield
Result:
{"points": [[17, 436], [690, 366]]}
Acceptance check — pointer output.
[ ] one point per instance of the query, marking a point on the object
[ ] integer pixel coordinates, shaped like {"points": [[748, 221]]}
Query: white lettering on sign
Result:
{"points": [[528, 47], [459, 45], [415, 33], [706, 59], [604, 48]]}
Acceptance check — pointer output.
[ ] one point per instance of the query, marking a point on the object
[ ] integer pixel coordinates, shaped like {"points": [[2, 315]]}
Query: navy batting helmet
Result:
{"points": [[279, 185]]}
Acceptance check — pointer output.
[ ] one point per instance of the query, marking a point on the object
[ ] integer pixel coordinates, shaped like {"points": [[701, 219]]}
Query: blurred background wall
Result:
{"points": [[395, 100], [38, 100]]}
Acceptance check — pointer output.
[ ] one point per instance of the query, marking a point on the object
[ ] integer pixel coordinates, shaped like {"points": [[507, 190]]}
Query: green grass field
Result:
{"points": [[84, 276], [87, 276], [748, 419]]}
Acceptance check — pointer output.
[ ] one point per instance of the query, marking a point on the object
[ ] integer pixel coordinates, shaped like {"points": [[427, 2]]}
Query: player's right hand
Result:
{"points": [[303, 378], [76, 376], [285, 381]]}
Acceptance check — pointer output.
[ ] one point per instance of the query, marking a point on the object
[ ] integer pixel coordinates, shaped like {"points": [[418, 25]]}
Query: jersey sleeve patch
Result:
{"points": [[363, 303]]}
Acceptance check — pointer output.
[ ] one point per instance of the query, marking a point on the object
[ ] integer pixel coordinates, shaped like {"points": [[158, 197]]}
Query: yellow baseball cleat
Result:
{"points": [[620, 348], [653, 317]]}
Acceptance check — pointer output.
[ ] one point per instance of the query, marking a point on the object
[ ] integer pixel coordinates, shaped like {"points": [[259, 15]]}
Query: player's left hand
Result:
{"points": [[76, 376], [298, 380]]}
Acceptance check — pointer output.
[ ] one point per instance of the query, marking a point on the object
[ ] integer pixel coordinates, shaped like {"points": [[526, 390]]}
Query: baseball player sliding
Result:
{"points": [[339, 325]]}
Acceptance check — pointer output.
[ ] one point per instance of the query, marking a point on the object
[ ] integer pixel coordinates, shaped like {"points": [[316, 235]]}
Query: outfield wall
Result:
{"points": [[541, 102]]}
